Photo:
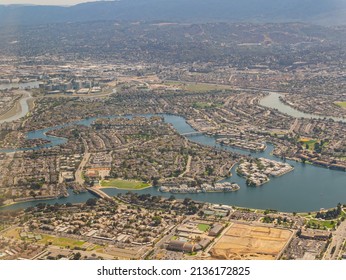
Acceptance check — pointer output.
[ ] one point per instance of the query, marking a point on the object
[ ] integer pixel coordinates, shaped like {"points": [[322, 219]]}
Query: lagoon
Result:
{"points": [[307, 188]]}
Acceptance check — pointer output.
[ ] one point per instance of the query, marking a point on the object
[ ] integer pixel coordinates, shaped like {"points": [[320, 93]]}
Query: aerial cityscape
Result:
{"points": [[132, 130]]}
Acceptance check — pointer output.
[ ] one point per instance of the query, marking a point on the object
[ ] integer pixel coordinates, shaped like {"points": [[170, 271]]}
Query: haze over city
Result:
{"points": [[45, 2], [173, 130]]}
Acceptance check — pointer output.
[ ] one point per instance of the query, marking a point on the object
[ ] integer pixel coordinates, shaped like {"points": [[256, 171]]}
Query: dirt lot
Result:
{"points": [[125, 254], [247, 242]]}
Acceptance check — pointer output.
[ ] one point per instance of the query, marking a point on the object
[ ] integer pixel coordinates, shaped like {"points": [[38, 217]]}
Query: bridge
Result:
{"points": [[192, 133], [99, 193]]}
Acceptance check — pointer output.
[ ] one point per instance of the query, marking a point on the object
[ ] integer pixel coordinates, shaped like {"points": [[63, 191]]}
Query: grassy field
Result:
{"points": [[61, 241], [321, 224], [12, 233], [203, 227], [205, 105], [124, 184], [341, 104], [197, 87], [309, 142]]}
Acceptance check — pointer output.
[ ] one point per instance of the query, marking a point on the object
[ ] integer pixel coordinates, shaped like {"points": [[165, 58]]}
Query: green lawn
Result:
{"points": [[341, 104], [124, 184], [328, 224], [310, 143], [203, 227], [61, 241], [205, 105]]}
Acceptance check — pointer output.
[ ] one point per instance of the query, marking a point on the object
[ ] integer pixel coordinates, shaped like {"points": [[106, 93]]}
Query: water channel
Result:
{"points": [[28, 85], [272, 100], [23, 102], [307, 188]]}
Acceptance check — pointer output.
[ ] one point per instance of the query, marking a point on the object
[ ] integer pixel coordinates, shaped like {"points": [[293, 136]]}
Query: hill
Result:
{"points": [[329, 12]]}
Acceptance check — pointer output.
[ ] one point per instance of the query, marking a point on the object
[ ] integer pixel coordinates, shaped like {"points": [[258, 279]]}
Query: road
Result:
{"points": [[188, 166], [167, 236], [338, 240], [78, 174]]}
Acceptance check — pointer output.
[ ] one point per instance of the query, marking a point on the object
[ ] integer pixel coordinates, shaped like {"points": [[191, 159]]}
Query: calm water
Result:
{"points": [[307, 188], [273, 101], [29, 85], [73, 198], [25, 109], [23, 102]]}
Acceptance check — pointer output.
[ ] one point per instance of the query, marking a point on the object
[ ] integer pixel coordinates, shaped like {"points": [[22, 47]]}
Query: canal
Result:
{"points": [[307, 188]]}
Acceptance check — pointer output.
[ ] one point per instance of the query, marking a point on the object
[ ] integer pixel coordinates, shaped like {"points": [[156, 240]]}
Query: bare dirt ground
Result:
{"points": [[246, 242]]}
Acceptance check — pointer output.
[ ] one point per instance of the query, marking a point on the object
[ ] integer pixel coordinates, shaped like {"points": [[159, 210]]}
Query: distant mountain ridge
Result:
{"points": [[330, 12]]}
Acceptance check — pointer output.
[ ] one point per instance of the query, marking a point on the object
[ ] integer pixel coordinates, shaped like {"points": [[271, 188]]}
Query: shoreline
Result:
{"points": [[14, 110], [29, 199], [292, 110], [18, 111], [318, 206], [2, 207]]}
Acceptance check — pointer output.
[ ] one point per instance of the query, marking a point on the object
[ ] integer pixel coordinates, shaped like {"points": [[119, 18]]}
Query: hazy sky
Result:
{"points": [[45, 2]]}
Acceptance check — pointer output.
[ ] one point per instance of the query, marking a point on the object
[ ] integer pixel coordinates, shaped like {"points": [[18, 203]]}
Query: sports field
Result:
{"points": [[246, 242], [124, 184], [203, 227]]}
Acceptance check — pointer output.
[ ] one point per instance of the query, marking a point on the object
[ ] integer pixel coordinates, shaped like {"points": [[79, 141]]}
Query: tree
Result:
{"points": [[77, 256], [201, 213], [155, 181], [91, 202], [317, 147], [157, 220], [186, 201], [32, 193]]}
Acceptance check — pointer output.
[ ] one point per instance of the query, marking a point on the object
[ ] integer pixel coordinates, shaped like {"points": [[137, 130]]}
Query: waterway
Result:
{"points": [[272, 100], [23, 102], [307, 188], [29, 85], [72, 198]]}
